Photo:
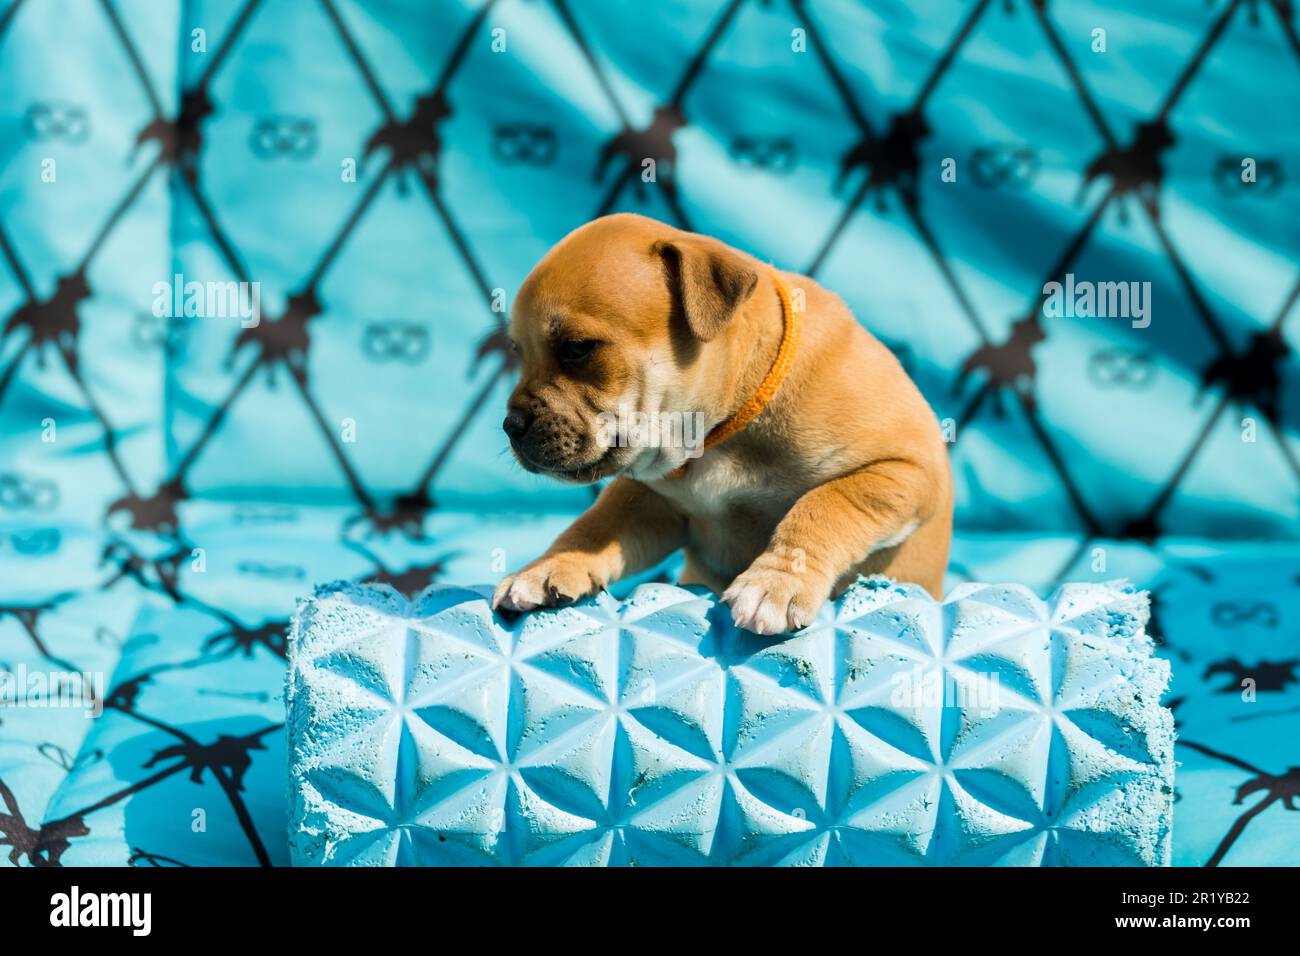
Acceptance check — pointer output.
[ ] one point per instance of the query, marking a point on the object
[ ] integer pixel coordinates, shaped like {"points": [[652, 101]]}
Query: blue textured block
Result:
{"points": [[990, 728]]}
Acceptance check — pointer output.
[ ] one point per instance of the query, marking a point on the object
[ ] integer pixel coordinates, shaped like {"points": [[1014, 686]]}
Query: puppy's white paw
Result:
{"points": [[770, 600], [551, 582]]}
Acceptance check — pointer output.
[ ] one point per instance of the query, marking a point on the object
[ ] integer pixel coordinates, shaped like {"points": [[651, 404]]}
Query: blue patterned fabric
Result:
{"points": [[168, 487]]}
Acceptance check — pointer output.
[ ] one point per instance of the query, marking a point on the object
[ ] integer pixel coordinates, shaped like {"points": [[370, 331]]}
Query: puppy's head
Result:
{"points": [[612, 329]]}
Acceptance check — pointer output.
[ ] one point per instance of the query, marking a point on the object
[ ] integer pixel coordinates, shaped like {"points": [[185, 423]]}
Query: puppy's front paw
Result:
{"points": [[556, 581], [769, 599]]}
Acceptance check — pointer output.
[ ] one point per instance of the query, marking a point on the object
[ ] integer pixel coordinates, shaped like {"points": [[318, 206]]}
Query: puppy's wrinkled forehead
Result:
{"points": [[601, 281]]}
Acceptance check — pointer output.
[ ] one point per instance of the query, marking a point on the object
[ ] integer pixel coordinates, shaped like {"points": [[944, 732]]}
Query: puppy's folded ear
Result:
{"points": [[708, 280]]}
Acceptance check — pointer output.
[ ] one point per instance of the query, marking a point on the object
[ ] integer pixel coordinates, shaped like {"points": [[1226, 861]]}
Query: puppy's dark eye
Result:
{"points": [[572, 353]]}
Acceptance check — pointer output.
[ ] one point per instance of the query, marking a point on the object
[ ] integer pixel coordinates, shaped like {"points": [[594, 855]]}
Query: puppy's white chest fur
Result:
{"points": [[731, 507], [716, 482]]}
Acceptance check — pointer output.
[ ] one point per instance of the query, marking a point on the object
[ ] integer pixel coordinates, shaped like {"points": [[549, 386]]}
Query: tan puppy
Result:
{"points": [[844, 471]]}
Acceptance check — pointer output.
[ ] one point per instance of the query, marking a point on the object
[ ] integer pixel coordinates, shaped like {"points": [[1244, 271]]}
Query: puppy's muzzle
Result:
{"points": [[547, 443]]}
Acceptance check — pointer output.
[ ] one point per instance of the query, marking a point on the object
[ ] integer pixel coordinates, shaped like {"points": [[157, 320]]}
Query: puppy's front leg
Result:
{"points": [[829, 530], [628, 529]]}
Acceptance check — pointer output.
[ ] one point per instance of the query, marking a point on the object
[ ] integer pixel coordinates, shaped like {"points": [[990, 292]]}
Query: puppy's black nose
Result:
{"points": [[515, 425]]}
